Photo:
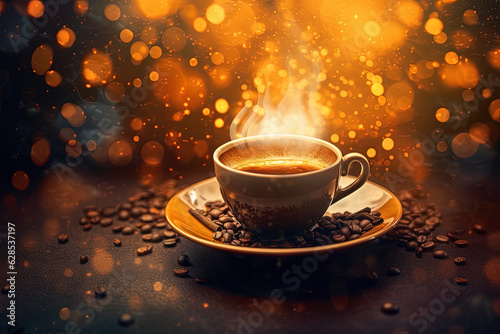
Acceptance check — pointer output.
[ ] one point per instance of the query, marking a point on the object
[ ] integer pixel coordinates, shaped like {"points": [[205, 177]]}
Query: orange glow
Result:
{"points": [[463, 146], [112, 12], [410, 13], [451, 58], [441, 38], [221, 106], [66, 37], [73, 114], [149, 35], [35, 8], [480, 133], [136, 124], [97, 68], [139, 50], [40, 151], [442, 115], [492, 269], [219, 123], [126, 35], [152, 153], [20, 180], [493, 58], [120, 153], [215, 14], [53, 78], [434, 26], [155, 9], [154, 76], [494, 110], [388, 144], [199, 24], [41, 60], [155, 52], [470, 17], [174, 39], [217, 58], [80, 7], [114, 92], [371, 153]]}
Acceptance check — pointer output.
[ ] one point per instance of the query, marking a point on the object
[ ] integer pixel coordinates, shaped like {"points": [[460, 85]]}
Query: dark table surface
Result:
{"points": [[54, 292]]}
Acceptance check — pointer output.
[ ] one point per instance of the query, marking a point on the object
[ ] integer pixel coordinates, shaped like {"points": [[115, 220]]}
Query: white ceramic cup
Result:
{"points": [[277, 207]]}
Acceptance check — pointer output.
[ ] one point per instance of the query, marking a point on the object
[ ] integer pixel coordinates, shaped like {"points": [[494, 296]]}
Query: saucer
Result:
{"points": [[194, 197]]}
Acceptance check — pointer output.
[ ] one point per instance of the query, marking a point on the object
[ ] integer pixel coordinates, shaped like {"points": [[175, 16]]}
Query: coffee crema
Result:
{"points": [[279, 167]]}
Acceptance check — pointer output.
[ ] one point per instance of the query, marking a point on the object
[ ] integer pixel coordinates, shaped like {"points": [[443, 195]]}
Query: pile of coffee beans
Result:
{"points": [[143, 213], [332, 228]]}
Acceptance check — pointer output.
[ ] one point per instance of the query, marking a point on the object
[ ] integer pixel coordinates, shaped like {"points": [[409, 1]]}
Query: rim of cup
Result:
{"points": [[223, 148]]}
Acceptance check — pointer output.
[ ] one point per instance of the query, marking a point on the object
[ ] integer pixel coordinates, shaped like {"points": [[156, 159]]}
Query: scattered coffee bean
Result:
{"points": [[161, 225], [62, 238], [146, 228], [137, 211], [117, 242], [146, 237], [371, 276], [421, 239], [393, 271], [459, 260], [453, 236], [419, 252], [126, 319], [201, 280], [87, 227], [123, 215], [442, 238], [108, 212], [156, 237], [95, 220], [461, 243], [117, 228], [84, 259], [144, 250], [106, 221], [169, 242], [183, 260], [479, 229], [169, 234], [440, 254], [461, 281], [338, 238], [389, 308], [83, 221], [127, 230], [100, 292], [147, 218], [181, 272], [411, 246], [92, 214], [428, 245]]}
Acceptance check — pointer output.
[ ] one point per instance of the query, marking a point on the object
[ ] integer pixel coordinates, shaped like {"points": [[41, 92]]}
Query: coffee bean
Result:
{"points": [[156, 237], [100, 292], [83, 221], [411, 246], [123, 215], [228, 237], [217, 235], [106, 221], [389, 308], [440, 254], [215, 213], [181, 272], [421, 239], [419, 252], [108, 212], [169, 234], [461, 281], [161, 225], [92, 214], [126, 320], [117, 228], [393, 271], [95, 220], [459, 260], [147, 218], [125, 206], [146, 237], [169, 242], [146, 228], [87, 227], [127, 230], [428, 245], [479, 229], [84, 259], [183, 260], [442, 238], [201, 280], [137, 211], [453, 236], [62, 238], [117, 242], [461, 243], [144, 250], [371, 276]]}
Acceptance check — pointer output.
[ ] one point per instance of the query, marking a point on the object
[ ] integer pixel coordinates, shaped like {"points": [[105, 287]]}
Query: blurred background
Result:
{"points": [[154, 86]]}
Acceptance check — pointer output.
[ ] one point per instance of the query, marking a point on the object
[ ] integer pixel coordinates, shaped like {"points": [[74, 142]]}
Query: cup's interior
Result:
{"points": [[286, 148]]}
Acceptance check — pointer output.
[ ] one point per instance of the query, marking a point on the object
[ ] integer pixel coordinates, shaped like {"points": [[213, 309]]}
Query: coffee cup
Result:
{"points": [[279, 186]]}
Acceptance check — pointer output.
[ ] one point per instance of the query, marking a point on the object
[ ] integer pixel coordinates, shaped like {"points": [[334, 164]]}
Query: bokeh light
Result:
{"points": [[97, 68], [120, 153], [20, 180], [152, 152]]}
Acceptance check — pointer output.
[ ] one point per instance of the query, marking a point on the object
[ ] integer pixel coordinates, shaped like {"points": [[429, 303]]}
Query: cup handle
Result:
{"points": [[346, 162]]}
